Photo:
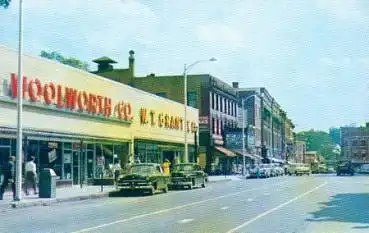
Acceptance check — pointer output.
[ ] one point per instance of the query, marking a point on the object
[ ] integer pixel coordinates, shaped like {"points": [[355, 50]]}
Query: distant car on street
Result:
{"points": [[187, 175], [298, 169], [265, 171], [144, 177], [345, 168]]}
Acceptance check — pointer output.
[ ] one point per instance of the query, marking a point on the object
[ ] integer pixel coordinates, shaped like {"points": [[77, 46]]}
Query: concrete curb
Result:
{"points": [[48, 202]]}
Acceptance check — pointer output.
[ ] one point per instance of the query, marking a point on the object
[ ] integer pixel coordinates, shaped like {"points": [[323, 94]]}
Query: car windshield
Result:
{"points": [[183, 167], [146, 169]]}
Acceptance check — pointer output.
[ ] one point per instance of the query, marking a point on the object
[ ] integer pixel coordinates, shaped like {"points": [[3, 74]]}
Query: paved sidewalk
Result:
{"points": [[74, 193]]}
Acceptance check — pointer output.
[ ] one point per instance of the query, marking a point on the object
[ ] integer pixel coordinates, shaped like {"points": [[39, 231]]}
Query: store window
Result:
{"points": [[50, 156], [5, 151]]}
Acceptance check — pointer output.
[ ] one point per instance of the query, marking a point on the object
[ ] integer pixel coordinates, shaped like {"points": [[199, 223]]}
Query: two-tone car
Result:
{"points": [[145, 177], [187, 175]]}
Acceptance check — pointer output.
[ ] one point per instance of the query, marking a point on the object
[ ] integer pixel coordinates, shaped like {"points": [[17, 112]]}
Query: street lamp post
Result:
{"points": [[244, 115], [185, 70], [18, 178]]}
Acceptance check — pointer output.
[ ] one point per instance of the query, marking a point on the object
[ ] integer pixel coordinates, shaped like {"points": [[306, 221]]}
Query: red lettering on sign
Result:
{"points": [[100, 108], [14, 85], [127, 112], [92, 103], [107, 107], [49, 93], [34, 96], [59, 97], [82, 101], [71, 98]]}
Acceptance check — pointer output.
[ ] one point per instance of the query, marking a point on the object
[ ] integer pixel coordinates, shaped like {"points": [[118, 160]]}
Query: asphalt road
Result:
{"points": [[314, 204]]}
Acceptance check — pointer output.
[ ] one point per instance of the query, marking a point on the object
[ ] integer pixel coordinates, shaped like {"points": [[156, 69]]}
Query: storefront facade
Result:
{"points": [[76, 122]]}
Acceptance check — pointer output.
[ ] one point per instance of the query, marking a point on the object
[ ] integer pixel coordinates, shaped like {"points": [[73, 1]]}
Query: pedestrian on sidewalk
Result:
{"points": [[166, 167], [9, 177], [31, 175], [117, 169]]}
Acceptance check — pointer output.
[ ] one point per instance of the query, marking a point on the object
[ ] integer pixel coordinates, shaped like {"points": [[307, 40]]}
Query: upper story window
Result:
{"points": [[221, 103], [362, 143], [216, 102], [212, 100], [192, 99], [354, 142]]}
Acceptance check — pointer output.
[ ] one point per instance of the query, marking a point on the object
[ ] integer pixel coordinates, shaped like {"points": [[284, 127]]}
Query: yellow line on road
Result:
{"points": [[275, 208], [169, 209]]}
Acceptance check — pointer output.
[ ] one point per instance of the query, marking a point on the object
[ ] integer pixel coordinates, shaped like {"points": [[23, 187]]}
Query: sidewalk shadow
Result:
{"points": [[346, 207]]}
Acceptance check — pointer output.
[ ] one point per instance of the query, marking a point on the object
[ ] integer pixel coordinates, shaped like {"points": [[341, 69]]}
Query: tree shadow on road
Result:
{"points": [[346, 207]]}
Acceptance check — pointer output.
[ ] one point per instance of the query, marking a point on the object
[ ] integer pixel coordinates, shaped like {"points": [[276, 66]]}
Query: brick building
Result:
{"points": [[355, 144], [215, 99]]}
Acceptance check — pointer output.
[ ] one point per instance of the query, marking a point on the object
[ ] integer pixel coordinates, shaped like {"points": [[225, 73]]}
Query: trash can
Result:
{"points": [[47, 183]]}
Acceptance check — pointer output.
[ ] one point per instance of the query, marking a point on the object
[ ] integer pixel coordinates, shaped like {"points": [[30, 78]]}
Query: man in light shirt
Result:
{"points": [[31, 175]]}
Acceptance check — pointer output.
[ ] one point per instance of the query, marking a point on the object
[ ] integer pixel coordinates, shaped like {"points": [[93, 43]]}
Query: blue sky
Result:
{"points": [[312, 56]]}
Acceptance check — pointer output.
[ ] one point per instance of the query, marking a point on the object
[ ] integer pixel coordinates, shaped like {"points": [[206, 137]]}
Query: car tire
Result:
{"points": [[152, 190], [166, 189]]}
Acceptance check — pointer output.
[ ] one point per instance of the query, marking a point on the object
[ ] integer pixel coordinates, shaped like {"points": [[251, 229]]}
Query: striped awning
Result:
{"points": [[225, 151]]}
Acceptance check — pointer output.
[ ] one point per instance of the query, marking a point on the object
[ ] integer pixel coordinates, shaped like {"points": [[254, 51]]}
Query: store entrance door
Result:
{"points": [[76, 171]]}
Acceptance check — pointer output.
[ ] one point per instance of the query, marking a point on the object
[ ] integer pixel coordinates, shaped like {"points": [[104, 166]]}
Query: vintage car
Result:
{"points": [[298, 169], [345, 167], [144, 177], [302, 169], [187, 175]]}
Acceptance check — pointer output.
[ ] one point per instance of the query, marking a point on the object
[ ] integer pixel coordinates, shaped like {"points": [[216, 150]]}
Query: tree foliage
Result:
{"points": [[335, 134], [319, 141], [70, 61], [5, 3]]}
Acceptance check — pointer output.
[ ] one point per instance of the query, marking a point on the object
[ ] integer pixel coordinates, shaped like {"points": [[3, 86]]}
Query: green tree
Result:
{"points": [[319, 141], [335, 134], [5, 3], [70, 61]]}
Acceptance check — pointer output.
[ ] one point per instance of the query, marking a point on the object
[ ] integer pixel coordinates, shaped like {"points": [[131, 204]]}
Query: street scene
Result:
{"points": [[321, 203], [196, 116]]}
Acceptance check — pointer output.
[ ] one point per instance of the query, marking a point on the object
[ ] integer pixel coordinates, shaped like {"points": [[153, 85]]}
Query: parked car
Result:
{"points": [[265, 171], [187, 175], [279, 170], [144, 177], [254, 171], [298, 169], [302, 169], [345, 167]]}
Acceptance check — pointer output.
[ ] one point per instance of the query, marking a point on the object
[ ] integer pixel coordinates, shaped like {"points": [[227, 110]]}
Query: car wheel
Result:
{"points": [[152, 190], [166, 189]]}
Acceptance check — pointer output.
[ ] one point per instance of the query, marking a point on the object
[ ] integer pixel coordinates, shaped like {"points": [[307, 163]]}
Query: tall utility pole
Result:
{"points": [[185, 70], [243, 139], [18, 169]]}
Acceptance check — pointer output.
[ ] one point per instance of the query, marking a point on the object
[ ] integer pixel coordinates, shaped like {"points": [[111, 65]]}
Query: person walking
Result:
{"points": [[9, 177], [31, 175], [117, 169], [166, 167]]}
